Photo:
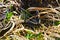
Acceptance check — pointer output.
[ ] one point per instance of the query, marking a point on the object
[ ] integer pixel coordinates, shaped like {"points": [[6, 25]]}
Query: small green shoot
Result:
{"points": [[56, 23], [30, 35], [9, 15]]}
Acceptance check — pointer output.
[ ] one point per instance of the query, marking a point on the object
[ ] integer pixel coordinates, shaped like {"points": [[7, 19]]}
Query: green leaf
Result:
{"points": [[38, 36], [9, 15], [56, 23], [29, 34]]}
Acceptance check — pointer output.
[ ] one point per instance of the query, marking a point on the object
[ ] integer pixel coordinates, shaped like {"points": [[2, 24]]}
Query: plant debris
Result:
{"points": [[29, 20]]}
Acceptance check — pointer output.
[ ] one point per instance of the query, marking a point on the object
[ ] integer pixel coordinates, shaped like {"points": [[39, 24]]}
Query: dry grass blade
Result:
{"points": [[40, 18], [37, 8]]}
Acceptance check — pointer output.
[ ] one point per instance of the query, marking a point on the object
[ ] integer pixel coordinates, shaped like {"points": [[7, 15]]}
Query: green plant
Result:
{"points": [[9, 15], [30, 35], [56, 23], [39, 36]]}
